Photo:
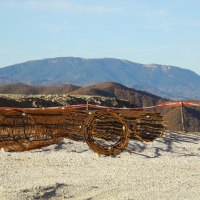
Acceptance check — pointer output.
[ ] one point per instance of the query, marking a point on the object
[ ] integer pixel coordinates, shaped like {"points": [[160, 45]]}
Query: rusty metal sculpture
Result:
{"points": [[105, 131]]}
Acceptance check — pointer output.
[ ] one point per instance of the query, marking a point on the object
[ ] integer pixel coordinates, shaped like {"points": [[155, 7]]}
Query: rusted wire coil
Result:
{"points": [[22, 130], [105, 131], [144, 126]]}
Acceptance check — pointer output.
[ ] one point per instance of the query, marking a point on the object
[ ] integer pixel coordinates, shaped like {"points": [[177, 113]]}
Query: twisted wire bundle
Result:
{"points": [[105, 131]]}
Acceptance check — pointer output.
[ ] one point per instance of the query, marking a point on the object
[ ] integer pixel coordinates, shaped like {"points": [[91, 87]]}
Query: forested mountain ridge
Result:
{"points": [[162, 80]]}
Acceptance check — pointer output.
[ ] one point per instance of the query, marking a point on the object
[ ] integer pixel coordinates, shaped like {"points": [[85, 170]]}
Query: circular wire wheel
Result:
{"points": [[106, 132]]}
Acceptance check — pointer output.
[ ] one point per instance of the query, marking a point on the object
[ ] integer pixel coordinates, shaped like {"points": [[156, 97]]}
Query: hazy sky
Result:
{"points": [[145, 31]]}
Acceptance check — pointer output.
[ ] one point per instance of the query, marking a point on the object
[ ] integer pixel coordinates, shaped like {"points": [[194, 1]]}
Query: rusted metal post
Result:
{"points": [[182, 117]]}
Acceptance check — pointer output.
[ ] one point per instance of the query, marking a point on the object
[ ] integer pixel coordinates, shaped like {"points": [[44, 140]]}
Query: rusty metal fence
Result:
{"points": [[106, 131]]}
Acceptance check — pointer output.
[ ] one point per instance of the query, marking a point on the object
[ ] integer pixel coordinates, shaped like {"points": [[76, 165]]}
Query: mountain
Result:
{"points": [[162, 80]]}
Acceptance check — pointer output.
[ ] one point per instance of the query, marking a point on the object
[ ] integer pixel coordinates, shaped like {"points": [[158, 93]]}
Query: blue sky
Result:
{"points": [[143, 31]]}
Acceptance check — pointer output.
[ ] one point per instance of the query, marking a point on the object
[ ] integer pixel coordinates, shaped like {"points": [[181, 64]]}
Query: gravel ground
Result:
{"points": [[168, 168]]}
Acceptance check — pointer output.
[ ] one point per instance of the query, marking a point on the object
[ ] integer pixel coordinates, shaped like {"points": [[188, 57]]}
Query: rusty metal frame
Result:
{"points": [[105, 131]]}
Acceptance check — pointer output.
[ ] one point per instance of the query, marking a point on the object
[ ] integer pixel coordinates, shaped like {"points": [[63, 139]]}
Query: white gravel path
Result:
{"points": [[165, 169]]}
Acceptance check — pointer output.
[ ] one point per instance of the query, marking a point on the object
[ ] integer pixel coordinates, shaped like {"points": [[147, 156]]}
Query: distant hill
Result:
{"points": [[136, 98], [36, 89], [162, 80]]}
